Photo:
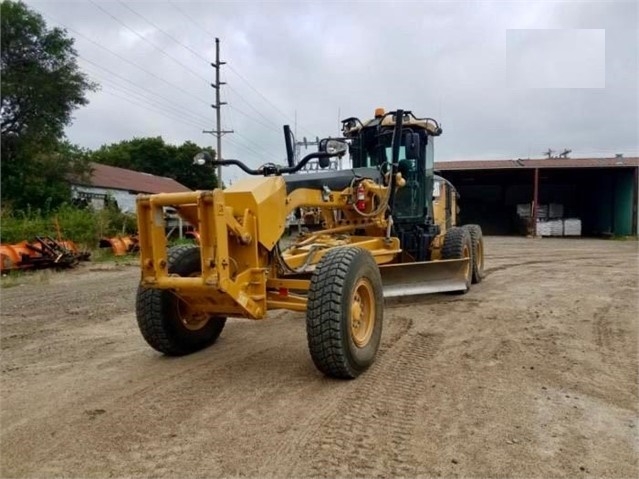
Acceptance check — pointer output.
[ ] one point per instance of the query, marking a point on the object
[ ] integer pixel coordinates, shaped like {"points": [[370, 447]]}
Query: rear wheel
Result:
{"points": [[169, 324], [477, 240], [345, 312], [458, 245]]}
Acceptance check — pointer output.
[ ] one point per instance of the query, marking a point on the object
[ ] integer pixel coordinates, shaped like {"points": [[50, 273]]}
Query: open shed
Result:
{"points": [[508, 197]]}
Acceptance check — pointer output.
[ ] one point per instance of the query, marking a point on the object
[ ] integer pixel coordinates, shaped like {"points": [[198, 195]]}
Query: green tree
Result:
{"points": [[153, 155], [41, 86]]}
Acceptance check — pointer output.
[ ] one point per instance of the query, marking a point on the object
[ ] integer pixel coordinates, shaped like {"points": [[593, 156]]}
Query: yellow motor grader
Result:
{"points": [[389, 229]]}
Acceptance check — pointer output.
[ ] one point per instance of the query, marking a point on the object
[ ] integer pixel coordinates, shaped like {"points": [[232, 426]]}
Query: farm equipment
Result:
{"points": [[389, 228], [43, 252], [120, 245]]}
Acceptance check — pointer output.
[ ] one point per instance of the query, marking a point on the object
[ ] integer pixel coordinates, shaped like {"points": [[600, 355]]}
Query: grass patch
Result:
{"points": [[105, 255], [20, 277]]}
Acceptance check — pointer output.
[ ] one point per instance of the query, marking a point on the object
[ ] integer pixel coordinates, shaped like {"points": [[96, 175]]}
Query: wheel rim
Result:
{"points": [[188, 316], [466, 255], [362, 314], [480, 256]]}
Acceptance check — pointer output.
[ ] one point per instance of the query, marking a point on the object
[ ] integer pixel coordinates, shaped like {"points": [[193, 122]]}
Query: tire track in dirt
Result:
{"points": [[205, 393], [545, 261], [395, 329], [603, 328], [369, 433]]}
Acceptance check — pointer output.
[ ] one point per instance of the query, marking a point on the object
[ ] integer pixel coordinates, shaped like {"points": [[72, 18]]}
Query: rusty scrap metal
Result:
{"points": [[43, 252]]}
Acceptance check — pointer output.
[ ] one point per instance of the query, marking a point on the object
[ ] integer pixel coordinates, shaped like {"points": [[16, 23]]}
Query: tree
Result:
{"points": [[153, 155], [41, 86]]}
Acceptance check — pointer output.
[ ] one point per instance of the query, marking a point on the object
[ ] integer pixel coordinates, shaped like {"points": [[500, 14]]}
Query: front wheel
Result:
{"points": [[345, 312], [168, 323]]}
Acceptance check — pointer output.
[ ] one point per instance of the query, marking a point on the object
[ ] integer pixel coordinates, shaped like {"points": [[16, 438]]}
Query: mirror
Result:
{"points": [[202, 158], [333, 146], [412, 146]]}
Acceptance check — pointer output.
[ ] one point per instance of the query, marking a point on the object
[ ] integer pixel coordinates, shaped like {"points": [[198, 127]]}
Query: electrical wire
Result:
{"points": [[174, 106], [237, 73], [140, 97], [124, 59], [163, 31], [142, 37], [150, 108]]}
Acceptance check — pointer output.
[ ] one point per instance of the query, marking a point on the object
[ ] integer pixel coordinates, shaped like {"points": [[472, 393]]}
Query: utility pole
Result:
{"points": [[218, 132]]}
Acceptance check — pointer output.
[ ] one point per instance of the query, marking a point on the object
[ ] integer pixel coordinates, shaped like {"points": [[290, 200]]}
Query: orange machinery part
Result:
{"points": [[120, 245], [12, 255]]}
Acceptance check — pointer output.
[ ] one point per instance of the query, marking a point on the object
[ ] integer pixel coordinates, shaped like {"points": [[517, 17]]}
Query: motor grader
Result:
{"points": [[389, 229]]}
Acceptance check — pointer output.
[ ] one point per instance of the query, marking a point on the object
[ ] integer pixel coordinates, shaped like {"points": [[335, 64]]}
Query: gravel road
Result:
{"points": [[532, 373]]}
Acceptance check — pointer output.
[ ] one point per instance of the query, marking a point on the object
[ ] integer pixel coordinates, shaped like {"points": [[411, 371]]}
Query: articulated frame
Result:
{"points": [[241, 267]]}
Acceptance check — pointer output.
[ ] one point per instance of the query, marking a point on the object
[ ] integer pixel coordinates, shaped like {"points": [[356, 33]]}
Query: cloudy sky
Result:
{"points": [[506, 79]]}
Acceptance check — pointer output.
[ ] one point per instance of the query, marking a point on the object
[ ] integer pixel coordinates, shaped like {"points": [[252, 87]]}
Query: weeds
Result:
{"points": [[19, 277], [84, 226]]}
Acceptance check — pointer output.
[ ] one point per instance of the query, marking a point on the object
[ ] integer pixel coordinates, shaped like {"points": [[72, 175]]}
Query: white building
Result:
{"points": [[122, 185]]}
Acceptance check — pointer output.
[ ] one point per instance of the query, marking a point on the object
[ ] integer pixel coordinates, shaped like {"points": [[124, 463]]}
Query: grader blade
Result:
{"points": [[412, 279]]}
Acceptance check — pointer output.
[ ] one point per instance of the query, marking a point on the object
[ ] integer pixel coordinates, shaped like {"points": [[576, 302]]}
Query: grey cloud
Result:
{"points": [[440, 59]]}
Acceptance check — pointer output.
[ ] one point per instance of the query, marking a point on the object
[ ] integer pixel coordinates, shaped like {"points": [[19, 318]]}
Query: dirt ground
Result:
{"points": [[533, 373]]}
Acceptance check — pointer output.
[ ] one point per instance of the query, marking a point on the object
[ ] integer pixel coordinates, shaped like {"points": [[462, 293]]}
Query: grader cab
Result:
{"points": [[384, 234]]}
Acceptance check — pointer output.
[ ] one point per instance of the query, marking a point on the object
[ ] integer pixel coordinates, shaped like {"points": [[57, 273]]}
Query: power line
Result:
{"points": [[150, 108], [167, 111], [249, 141], [286, 117], [142, 37], [137, 95], [173, 105], [250, 105], [188, 17], [259, 122], [124, 59], [182, 121], [249, 149], [239, 95], [163, 31]]}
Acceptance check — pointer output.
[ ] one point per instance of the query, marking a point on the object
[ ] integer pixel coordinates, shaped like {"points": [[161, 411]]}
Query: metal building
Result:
{"points": [[512, 196]]}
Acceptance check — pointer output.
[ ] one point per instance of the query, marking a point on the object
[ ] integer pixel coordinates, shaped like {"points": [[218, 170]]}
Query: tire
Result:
{"points": [[159, 317], [477, 240], [343, 341], [458, 245]]}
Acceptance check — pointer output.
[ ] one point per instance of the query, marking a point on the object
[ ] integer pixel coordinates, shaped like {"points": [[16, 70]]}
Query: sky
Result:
{"points": [[505, 79]]}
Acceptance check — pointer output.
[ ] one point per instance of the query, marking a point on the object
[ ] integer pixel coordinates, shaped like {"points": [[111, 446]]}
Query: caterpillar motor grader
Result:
{"points": [[389, 229]]}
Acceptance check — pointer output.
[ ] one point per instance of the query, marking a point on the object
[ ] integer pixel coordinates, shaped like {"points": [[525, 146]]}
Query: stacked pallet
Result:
{"points": [[542, 212], [555, 210], [543, 228], [550, 220], [572, 227], [550, 228]]}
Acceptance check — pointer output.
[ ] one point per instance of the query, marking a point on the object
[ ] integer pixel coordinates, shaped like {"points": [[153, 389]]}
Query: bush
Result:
{"points": [[84, 226]]}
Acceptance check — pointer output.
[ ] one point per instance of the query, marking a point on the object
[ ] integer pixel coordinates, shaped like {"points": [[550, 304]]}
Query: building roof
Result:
{"points": [[112, 177], [543, 163]]}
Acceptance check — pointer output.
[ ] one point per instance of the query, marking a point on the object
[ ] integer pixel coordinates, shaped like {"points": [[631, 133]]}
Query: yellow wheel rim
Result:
{"points": [[188, 316], [466, 254], [191, 319], [362, 317], [480, 255]]}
